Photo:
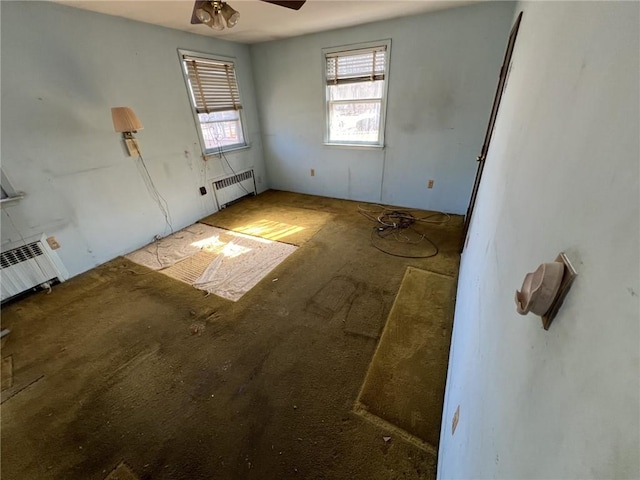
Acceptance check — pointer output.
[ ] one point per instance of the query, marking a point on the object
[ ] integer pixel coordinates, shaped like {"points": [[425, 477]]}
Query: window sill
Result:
{"points": [[226, 150], [353, 145], [13, 199]]}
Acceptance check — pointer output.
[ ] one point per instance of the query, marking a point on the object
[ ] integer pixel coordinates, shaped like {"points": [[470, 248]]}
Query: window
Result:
{"points": [[215, 99], [356, 90]]}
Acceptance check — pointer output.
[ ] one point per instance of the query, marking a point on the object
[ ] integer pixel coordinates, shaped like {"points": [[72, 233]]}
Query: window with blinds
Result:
{"points": [[215, 99], [356, 86]]}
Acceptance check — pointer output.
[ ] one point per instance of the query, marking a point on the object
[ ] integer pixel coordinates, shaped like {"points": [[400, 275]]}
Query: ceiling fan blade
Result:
{"points": [[194, 18], [294, 5]]}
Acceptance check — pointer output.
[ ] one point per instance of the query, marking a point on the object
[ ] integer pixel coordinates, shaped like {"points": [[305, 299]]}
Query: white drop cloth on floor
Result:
{"points": [[239, 261]]}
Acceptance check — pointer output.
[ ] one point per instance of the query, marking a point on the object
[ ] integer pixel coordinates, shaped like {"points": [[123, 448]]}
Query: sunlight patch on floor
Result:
{"points": [[217, 261], [213, 244], [269, 229]]}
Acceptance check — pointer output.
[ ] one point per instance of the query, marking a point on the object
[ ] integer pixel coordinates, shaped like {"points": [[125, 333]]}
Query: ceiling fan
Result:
{"points": [[215, 13]]}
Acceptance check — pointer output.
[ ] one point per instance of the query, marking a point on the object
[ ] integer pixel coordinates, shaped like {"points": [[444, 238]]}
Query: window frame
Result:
{"points": [[11, 194], [216, 58], [383, 101]]}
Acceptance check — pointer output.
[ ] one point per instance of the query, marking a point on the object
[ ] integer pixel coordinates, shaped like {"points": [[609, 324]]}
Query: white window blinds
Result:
{"points": [[213, 83], [356, 65]]}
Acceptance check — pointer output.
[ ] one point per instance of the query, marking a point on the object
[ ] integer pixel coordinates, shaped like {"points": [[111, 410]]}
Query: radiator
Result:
{"points": [[27, 266], [232, 188]]}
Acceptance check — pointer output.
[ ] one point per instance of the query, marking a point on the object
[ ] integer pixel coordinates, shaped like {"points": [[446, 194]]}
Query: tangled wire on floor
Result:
{"points": [[395, 233]]}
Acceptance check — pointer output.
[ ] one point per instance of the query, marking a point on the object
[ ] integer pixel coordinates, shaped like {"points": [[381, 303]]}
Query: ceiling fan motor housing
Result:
{"points": [[213, 12]]}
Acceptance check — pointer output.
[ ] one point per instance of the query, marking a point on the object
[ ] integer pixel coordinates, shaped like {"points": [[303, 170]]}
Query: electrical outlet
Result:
{"points": [[430, 184], [53, 243], [259, 179], [313, 172]]}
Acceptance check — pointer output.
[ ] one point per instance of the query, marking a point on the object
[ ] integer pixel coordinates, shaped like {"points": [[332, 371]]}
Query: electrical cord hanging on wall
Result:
{"points": [[222, 155], [155, 194], [395, 234]]}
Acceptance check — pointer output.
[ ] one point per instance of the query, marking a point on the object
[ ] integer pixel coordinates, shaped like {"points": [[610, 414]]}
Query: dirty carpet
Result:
{"points": [[137, 367], [405, 382]]}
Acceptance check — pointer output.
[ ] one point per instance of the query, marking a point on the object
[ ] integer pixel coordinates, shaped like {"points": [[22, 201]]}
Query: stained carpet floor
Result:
{"points": [[136, 366], [405, 382]]}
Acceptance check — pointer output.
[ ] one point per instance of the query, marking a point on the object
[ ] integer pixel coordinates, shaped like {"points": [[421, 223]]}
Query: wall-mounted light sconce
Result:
{"points": [[127, 122], [544, 290]]}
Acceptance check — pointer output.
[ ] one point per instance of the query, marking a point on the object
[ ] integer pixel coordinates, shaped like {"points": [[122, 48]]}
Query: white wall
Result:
{"points": [[443, 72], [562, 174], [62, 71]]}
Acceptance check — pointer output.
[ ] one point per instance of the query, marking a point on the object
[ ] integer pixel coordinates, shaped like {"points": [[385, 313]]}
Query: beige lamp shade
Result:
{"points": [[125, 120], [540, 289]]}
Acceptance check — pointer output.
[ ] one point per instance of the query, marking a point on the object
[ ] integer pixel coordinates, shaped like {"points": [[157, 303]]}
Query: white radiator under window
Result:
{"points": [[28, 266], [234, 187]]}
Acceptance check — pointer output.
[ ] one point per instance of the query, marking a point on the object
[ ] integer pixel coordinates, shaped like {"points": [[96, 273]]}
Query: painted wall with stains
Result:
{"points": [[562, 174], [443, 71], [62, 71]]}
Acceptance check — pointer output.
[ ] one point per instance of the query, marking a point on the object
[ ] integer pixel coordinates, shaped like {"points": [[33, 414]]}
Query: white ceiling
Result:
{"points": [[260, 21]]}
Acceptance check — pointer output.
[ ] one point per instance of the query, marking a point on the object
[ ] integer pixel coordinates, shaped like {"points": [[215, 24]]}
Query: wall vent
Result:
{"points": [[20, 254]]}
